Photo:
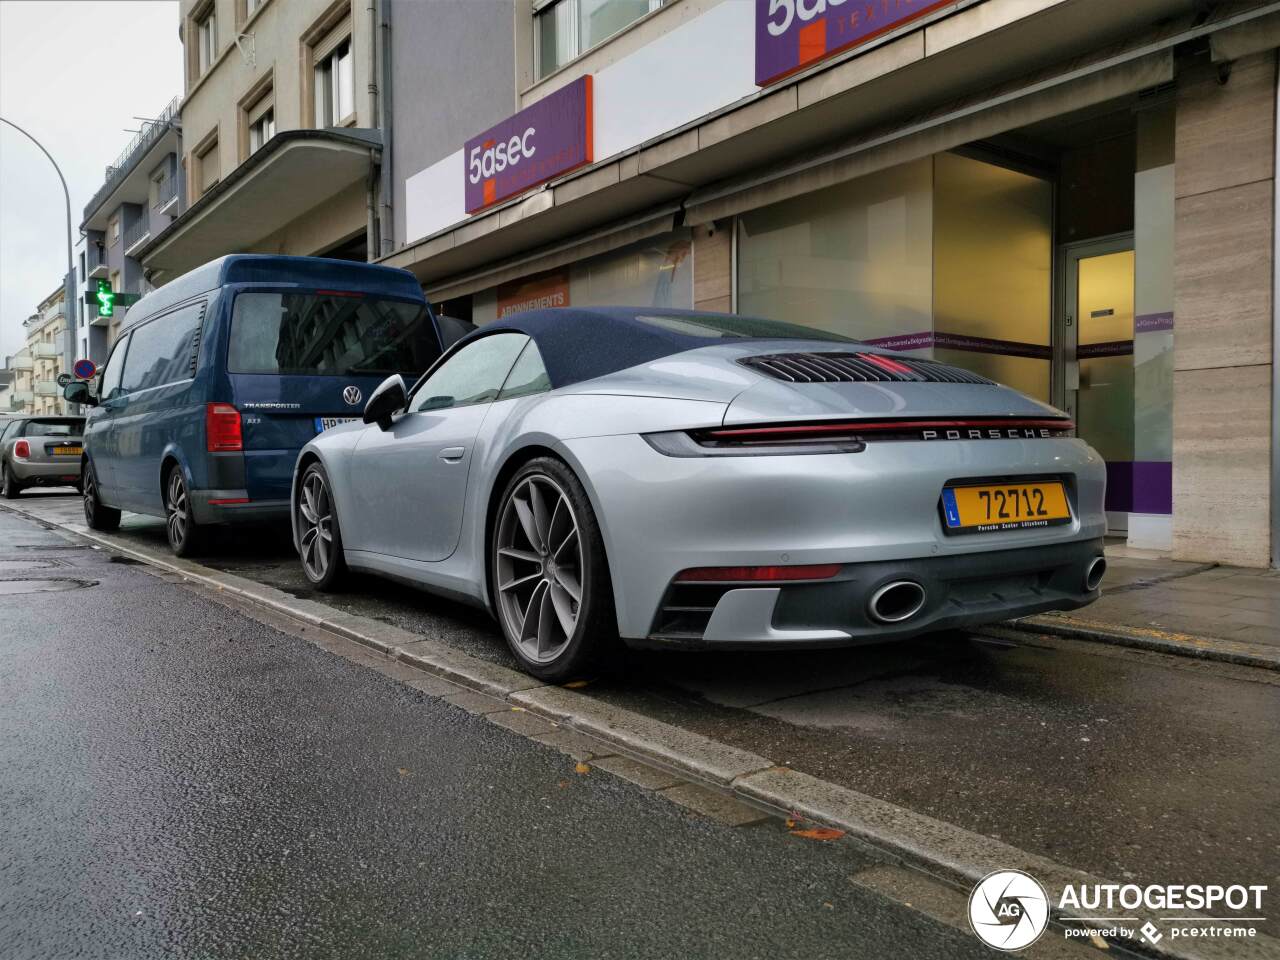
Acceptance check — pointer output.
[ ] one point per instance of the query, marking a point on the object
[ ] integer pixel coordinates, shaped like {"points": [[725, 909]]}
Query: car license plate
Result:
{"points": [[67, 451], [984, 508], [324, 423]]}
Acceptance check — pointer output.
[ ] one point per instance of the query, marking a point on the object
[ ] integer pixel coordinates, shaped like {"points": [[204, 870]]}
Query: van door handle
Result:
{"points": [[452, 454]]}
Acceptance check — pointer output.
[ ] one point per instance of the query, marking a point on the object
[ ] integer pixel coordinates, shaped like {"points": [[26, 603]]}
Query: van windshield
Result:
{"points": [[329, 334]]}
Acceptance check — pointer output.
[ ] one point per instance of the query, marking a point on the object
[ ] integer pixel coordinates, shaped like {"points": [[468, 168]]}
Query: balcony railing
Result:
{"points": [[22, 361], [142, 141], [46, 350], [19, 397], [47, 388], [140, 229], [167, 192]]}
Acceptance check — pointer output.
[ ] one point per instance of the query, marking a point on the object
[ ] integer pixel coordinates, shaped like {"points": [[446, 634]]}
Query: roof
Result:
{"points": [[281, 271], [580, 343]]}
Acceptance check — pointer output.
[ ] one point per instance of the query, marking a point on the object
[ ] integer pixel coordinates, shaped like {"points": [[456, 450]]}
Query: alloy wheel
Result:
{"points": [[90, 492], [315, 512], [176, 509], [539, 567]]}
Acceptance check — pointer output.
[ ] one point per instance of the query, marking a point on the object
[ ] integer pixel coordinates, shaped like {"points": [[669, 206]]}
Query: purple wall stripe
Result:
{"points": [[1112, 348], [1152, 322], [1142, 486], [925, 339]]}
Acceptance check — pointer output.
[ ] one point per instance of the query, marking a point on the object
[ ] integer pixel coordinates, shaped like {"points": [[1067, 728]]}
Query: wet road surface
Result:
{"points": [[1135, 766], [182, 781]]}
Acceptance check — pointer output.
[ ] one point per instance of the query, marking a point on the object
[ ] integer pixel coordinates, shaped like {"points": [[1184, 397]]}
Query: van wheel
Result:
{"points": [[8, 483], [319, 536], [97, 515], [550, 576], [185, 535]]}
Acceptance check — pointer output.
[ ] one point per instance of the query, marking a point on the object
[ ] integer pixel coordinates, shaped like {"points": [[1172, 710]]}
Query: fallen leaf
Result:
{"points": [[577, 684], [581, 768], [791, 823], [819, 833], [518, 710], [403, 771], [1098, 942]]}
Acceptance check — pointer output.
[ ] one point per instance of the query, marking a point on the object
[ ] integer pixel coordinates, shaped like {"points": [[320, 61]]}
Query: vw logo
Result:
{"points": [[1008, 910], [351, 395]]}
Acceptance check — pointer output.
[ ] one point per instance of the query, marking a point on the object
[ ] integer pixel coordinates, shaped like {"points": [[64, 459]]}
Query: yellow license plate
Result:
{"points": [[984, 508], [67, 451]]}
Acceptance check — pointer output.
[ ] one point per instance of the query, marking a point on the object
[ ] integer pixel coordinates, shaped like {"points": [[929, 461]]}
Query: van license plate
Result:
{"points": [[324, 423], [985, 508]]}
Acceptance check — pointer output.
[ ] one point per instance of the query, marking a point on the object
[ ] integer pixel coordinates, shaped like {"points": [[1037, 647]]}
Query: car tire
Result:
{"points": [[319, 533], [97, 515], [9, 485], [546, 545], [186, 537]]}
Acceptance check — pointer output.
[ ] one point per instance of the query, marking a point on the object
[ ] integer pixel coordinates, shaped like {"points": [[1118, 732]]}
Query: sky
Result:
{"points": [[73, 75]]}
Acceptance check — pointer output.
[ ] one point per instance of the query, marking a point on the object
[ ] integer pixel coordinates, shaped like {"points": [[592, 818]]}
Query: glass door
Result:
{"points": [[1097, 361]]}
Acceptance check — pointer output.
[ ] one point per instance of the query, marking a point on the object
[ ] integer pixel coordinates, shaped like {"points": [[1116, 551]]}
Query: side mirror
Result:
{"points": [[389, 399], [77, 391]]}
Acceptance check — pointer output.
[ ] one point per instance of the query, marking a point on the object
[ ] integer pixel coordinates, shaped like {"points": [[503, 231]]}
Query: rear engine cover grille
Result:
{"points": [[857, 368]]}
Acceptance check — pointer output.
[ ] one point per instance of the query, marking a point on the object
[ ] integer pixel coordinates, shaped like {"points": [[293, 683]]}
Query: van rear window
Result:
{"points": [[326, 334]]}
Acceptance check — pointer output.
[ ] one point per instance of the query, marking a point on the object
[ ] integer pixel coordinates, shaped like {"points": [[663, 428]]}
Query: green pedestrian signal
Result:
{"points": [[106, 299]]}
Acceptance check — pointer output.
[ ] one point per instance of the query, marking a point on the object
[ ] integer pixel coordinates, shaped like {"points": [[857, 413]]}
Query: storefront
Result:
{"points": [[1042, 233]]}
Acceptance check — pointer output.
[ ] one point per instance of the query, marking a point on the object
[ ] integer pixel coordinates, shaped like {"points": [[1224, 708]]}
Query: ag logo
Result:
{"points": [[351, 395], [1008, 910]]}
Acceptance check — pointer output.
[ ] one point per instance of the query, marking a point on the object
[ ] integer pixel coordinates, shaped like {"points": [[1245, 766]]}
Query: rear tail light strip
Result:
{"points": [[961, 429], [774, 574]]}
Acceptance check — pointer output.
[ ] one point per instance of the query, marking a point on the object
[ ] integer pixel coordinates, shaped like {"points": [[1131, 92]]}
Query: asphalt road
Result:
{"points": [[182, 781], [1132, 765]]}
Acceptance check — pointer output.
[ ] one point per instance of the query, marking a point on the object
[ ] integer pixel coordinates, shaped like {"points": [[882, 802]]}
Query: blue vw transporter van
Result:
{"points": [[219, 377]]}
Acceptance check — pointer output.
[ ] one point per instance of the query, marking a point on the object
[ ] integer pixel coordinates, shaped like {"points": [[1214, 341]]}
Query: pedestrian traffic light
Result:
{"points": [[106, 299]]}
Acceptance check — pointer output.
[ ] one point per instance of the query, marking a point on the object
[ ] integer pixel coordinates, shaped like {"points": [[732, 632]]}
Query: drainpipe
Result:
{"points": [[371, 211], [386, 223]]}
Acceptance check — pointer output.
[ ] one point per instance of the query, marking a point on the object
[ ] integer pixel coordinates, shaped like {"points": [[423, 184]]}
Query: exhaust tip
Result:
{"points": [[1094, 572], [896, 601]]}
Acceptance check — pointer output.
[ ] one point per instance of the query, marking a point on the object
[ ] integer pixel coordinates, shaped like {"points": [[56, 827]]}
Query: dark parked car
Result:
{"points": [[220, 377], [40, 451]]}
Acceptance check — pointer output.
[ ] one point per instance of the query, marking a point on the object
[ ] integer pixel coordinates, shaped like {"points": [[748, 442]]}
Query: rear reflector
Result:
{"points": [[222, 428], [22, 449], [817, 571]]}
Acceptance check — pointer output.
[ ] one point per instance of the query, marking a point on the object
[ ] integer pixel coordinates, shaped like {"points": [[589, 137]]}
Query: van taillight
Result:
{"points": [[22, 449], [222, 428]]}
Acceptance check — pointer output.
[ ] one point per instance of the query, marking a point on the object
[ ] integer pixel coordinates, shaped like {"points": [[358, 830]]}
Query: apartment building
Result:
{"points": [[140, 195], [1074, 197], [281, 148], [37, 366]]}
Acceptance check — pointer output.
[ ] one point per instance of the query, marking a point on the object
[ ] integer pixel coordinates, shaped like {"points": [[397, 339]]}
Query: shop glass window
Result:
{"points": [[564, 29]]}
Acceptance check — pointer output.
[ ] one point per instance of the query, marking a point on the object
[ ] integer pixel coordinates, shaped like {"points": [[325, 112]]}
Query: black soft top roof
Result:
{"points": [[582, 343]]}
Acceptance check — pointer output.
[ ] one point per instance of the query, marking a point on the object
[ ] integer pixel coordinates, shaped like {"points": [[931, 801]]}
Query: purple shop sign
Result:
{"points": [[791, 34], [551, 137]]}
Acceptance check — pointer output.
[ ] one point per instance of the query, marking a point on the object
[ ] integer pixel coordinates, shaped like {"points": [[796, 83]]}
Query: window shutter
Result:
{"points": [[337, 33]]}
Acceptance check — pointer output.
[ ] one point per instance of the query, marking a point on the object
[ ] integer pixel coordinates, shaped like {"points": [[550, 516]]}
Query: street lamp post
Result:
{"points": [[69, 282]]}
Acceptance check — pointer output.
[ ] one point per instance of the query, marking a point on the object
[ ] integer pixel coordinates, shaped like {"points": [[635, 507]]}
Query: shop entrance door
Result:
{"points": [[1095, 360]]}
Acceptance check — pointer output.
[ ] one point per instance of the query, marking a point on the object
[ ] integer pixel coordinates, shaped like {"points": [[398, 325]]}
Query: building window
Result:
{"points": [[257, 116], [206, 25], [563, 29], [113, 230], [262, 130], [252, 5], [335, 86], [208, 165]]}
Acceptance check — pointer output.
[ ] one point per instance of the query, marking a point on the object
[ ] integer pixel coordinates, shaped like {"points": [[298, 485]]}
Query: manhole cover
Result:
{"points": [[16, 585], [8, 566]]}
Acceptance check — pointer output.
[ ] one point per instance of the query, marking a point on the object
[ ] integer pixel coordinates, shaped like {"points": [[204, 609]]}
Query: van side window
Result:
{"points": [[163, 349], [109, 387]]}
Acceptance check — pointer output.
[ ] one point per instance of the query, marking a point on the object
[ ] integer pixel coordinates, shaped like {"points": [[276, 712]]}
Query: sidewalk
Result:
{"points": [[1217, 612]]}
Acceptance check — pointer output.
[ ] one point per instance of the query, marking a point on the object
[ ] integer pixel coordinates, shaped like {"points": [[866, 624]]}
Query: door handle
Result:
{"points": [[452, 454]]}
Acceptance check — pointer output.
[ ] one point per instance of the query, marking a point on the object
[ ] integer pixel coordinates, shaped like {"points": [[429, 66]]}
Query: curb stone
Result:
{"points": [[949, 852]]}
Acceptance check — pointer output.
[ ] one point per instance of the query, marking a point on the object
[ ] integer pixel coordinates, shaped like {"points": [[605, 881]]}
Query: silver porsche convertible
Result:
{"points": [[705, 481]]}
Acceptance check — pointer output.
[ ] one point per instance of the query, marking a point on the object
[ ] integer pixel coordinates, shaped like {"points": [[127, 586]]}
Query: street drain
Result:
{"points": [[36, 563], [16, 585]]}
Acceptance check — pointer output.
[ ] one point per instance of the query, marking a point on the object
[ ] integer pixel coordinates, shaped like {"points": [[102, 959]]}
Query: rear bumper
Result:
{"points": [[46, 474], [234, 506], [959, 591]]}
